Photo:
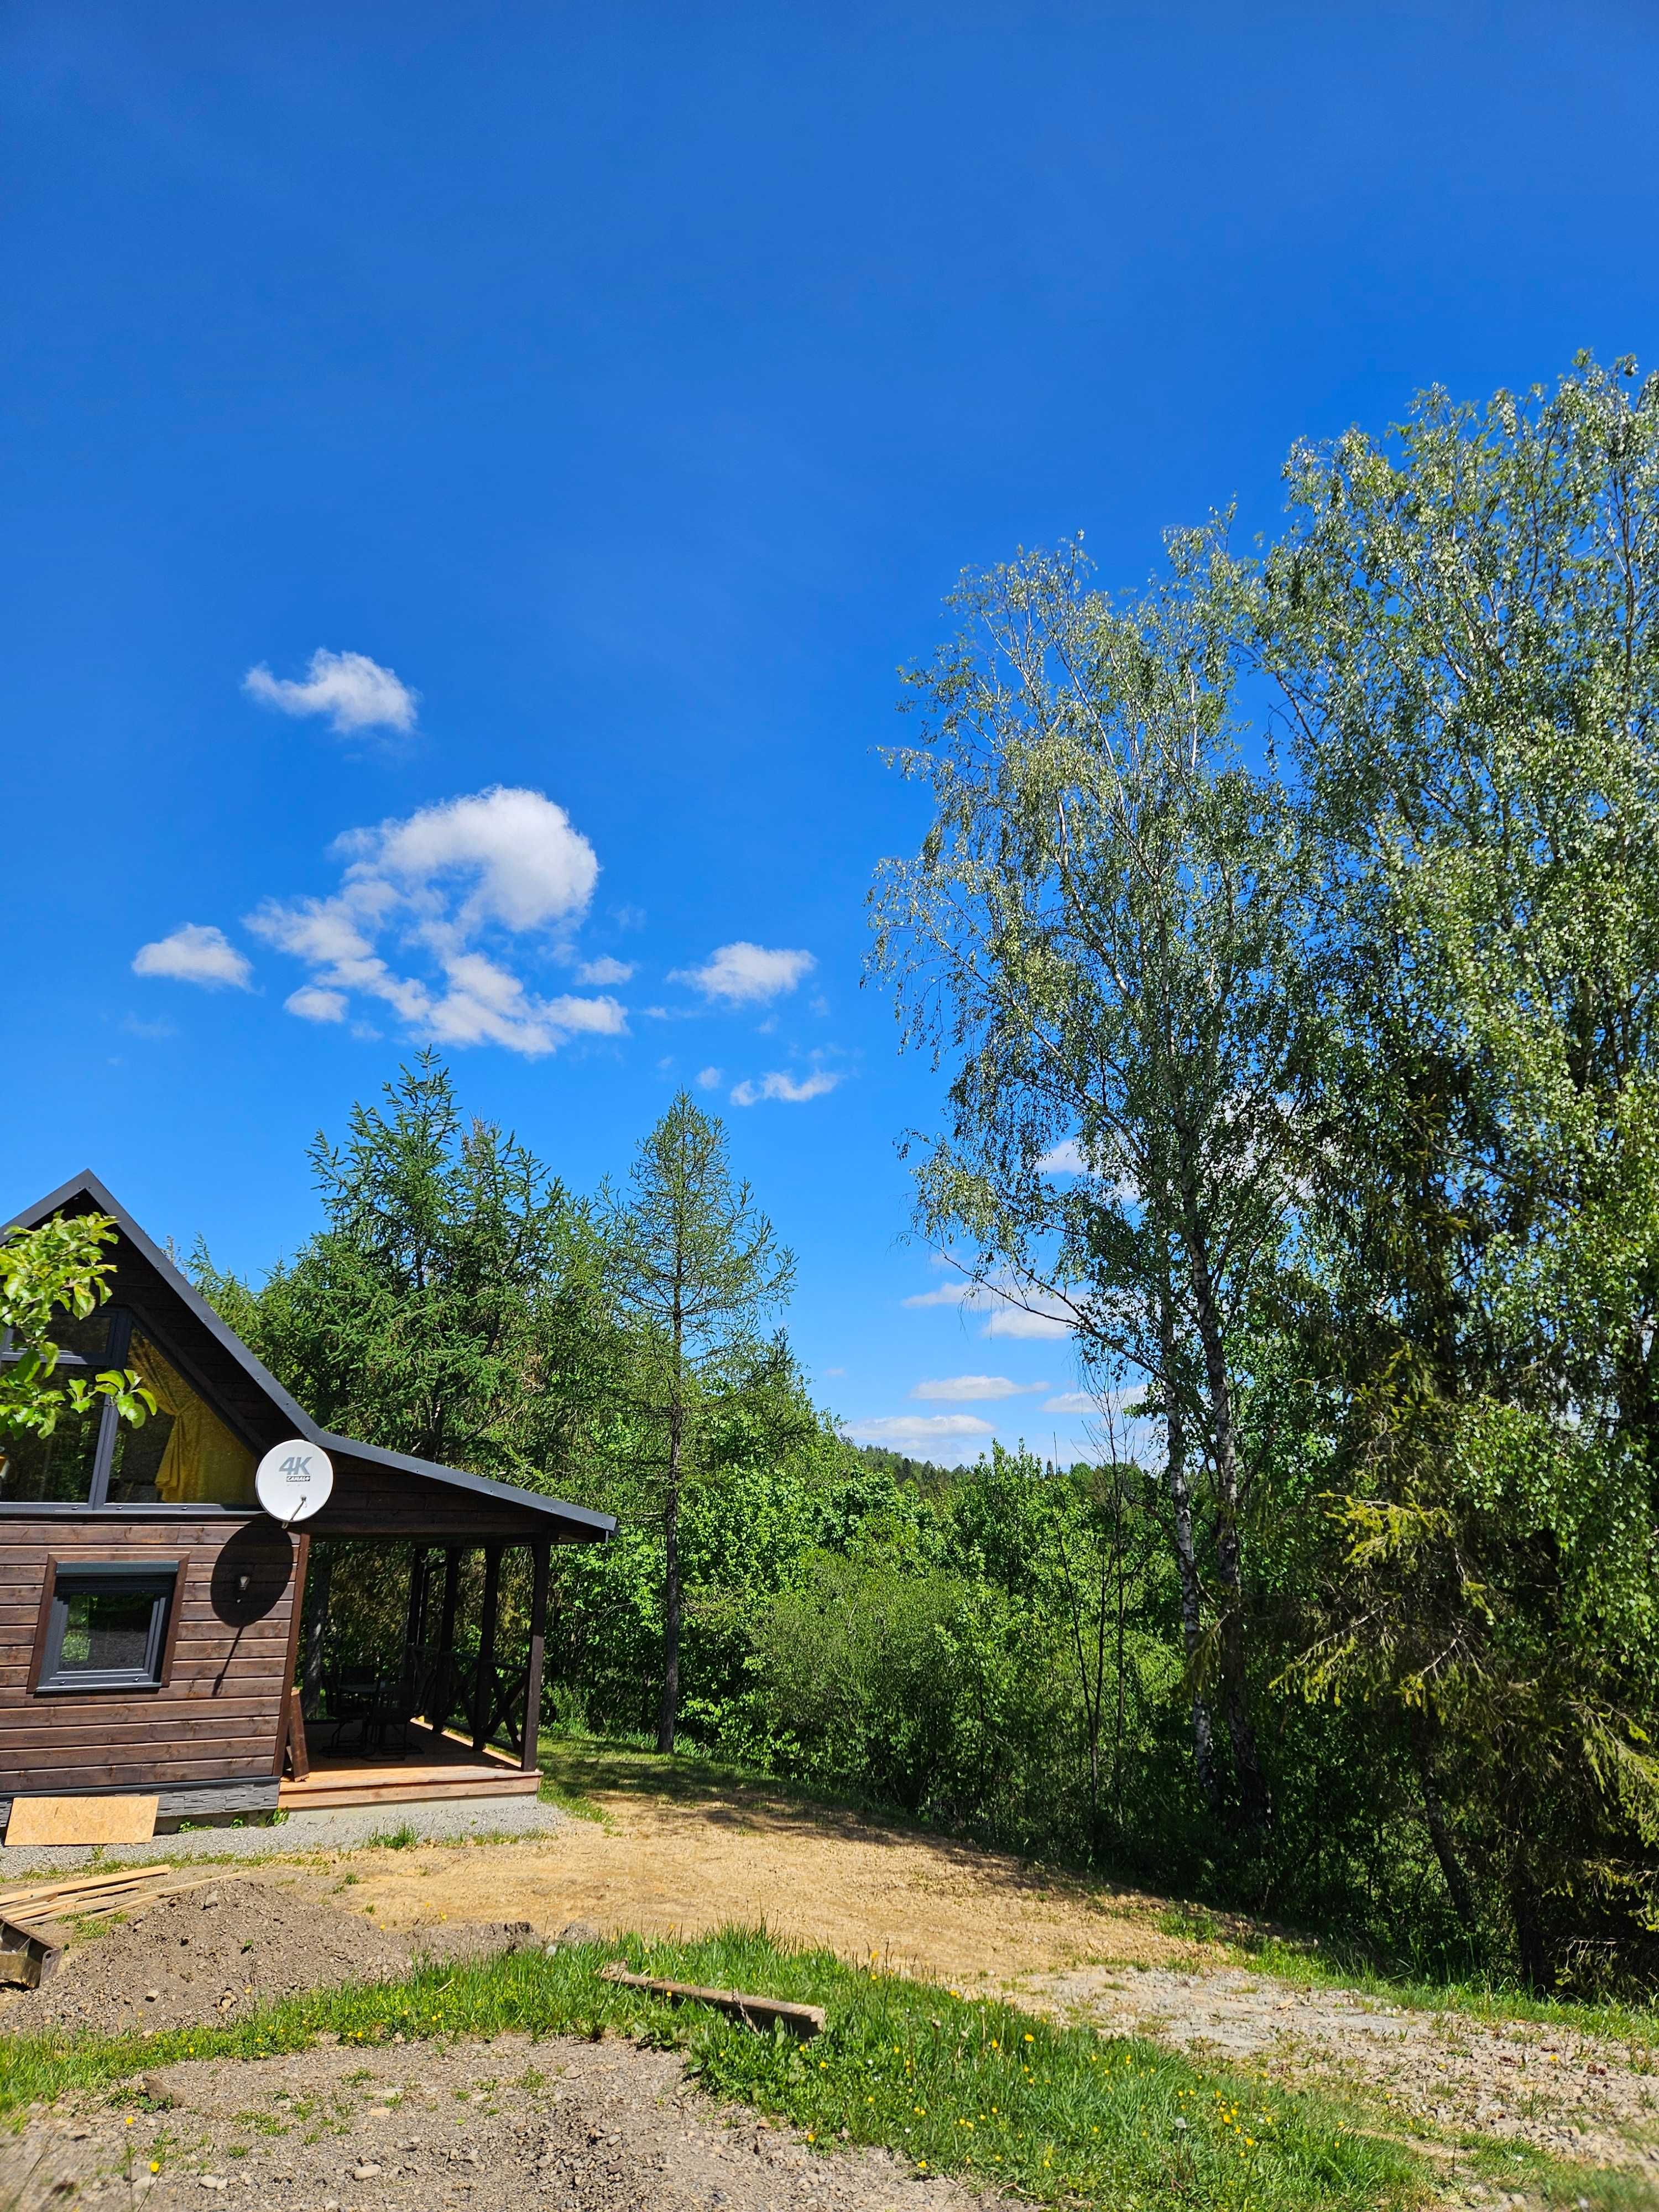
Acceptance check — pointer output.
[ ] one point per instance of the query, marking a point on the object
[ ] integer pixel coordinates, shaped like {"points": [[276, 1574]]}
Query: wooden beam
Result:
{"points": [[415, 1621], [483, 1690], [291, 1729], [298, 1762], [532, 1694], [443, 1690], [803, 2020]]}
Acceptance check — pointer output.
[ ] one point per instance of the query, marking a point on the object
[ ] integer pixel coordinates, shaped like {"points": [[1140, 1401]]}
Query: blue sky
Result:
{"points": [[631, 384]]}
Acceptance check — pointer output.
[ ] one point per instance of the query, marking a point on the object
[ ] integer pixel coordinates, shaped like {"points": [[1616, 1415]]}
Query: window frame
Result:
{"points": [[63, 1577], [125, 1322]]}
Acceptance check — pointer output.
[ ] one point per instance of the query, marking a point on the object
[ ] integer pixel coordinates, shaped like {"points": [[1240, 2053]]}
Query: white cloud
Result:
{"points": [[312, 1002], [355, 692], [708, 1079], [605, 970], [514, 852], [1071, 1401], [321, 930], [497, 865], [951, 1437], [743, 974], [779, 1086], [197, 953], [1014, 1311], [1063, 1158], [1045, 1322], [835, 1370], [974, 1390], [951, 1294]]}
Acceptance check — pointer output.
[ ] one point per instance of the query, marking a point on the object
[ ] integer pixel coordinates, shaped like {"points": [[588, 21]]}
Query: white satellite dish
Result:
{"points": [[294, 1480]]}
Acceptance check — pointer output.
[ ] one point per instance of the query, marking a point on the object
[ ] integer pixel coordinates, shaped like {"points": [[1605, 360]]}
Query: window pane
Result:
{"points": [[86, 1340], [56, 1469], [184, 1455], [134, 1474], [106, 1630]]}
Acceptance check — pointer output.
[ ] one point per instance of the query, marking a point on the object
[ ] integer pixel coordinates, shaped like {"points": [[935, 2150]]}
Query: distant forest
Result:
{"points": [[924, 1473]]}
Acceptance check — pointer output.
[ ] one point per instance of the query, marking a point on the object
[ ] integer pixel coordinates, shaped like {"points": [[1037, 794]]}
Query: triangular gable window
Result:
{"points": [[185, 1454]]}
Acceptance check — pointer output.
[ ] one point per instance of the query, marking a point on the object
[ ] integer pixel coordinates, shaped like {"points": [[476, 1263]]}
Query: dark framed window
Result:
{"points": [[185, 1453], [107, 1627], [67, 1467]]}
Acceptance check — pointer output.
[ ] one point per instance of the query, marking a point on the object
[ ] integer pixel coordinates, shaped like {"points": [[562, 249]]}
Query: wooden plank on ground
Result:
{"points": [[802, 2021], [118, 1878], [36, 1821]]}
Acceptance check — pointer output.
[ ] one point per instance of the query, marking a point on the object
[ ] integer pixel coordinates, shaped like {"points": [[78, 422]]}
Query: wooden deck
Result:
{"points": [[436, 1766]]}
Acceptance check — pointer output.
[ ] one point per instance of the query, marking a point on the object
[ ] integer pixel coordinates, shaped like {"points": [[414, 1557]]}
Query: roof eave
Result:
{"points": [[87, 1185], [481, 1486]]}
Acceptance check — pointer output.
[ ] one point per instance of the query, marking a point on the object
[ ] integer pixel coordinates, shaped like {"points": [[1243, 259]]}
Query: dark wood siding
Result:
{"points": [[383, 1501], [216, 1716]]}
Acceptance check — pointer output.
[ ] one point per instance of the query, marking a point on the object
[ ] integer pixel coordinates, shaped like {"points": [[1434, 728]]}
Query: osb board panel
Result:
{"points": [[81, 1820]]}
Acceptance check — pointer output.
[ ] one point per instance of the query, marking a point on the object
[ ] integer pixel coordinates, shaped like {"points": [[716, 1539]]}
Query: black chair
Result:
{"points": [[393, 1707], [350, 1695]]}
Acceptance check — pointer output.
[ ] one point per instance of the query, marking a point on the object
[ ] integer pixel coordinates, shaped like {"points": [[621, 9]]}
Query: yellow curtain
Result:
{"points": [[204, 1463]]}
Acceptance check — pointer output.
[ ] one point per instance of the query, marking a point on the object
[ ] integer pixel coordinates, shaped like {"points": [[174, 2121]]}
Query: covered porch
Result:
{"points": [[423, 1652]]}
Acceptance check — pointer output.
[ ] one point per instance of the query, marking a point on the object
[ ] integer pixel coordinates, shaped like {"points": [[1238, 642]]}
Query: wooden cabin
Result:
{"points": [[151, 1615]]}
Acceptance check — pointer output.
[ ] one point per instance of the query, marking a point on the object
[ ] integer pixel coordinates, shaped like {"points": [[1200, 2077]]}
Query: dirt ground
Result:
{"points": [[714, 1851], [678, 1852], [684, 1859], [497, 2126], [210, 1956]]}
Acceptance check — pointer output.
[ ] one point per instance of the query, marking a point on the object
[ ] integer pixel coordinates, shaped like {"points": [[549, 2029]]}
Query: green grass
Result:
{"points": [[1512, 2169], [574, 1764], [976, 2089], [393, 1839]]}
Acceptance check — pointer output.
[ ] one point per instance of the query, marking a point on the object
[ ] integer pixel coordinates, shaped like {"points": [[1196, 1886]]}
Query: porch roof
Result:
{"points": [[374, 1494]]}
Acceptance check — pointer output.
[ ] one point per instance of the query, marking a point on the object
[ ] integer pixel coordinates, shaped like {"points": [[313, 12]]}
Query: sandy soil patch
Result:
{"points": [[493, 2127], [987, 1924], [920, 1905]]}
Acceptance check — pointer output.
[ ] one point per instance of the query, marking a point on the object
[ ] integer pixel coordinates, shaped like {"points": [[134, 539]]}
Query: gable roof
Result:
{"points": [[577, 1521]]}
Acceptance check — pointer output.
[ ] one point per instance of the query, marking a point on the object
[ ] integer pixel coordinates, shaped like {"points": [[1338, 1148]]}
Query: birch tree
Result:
{"points": [[1099, 935]]}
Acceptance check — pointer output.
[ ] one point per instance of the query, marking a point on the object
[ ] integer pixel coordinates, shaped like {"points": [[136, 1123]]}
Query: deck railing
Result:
{"points": [[360, 1699]]}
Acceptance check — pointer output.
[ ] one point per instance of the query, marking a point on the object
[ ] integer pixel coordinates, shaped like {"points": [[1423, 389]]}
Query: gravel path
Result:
{"points": [[345, 1830], [1583, 2097], [506, 2126]]}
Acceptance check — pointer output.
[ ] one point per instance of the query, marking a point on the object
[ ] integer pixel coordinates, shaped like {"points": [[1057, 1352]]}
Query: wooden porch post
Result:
{"points": [[291, 1749], [484, 1692], [532, 1694], [415, 1627], [443, 1692]]}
